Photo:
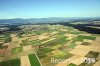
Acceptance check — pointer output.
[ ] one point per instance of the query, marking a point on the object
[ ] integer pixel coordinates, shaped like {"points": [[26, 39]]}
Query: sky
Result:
{"points": [[48, 8]]}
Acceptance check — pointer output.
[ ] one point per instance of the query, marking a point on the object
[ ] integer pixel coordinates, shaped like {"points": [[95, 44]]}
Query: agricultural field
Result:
{"points": [[14, 62], [36, 45]]}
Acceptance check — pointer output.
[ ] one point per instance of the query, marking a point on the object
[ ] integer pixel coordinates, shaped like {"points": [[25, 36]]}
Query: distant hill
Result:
{"points": [[45, 20]]}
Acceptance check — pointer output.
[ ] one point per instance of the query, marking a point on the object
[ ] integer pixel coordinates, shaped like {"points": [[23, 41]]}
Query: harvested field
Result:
{"points": [[25, 61], [78, 42], [80, 52], [27, 47], [97, 63]]}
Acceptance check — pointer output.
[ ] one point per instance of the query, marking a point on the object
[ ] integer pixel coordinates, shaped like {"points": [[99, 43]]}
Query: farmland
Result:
{"points": [[35, 45]]}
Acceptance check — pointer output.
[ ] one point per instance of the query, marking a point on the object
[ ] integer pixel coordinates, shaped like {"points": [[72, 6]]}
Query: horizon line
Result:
{"points": [[50, 17]]}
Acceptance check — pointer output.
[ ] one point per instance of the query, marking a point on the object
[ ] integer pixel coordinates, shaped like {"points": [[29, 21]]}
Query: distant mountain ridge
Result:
{"points": [[44, 20]]}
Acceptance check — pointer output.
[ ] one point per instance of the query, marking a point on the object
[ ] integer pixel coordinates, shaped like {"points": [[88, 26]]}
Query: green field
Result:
{"points": [[7, 38], [14, 62], [1, 45], [42, 52], [81, 38], [25, 42], [35, 42], [33, 60], [45, 50], [71, 45], [16, 50], [86, 37], [59, 40], [59, 43], [63, 55], [1, 38]]}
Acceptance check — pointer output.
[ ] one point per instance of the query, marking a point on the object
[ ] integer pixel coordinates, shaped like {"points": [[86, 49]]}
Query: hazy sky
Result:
{"points": [[49, 8]]}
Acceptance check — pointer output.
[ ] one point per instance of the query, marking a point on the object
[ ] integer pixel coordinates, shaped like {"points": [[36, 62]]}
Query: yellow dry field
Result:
{"points": [[64, 30], [97, 42], [28, 47], [6, 44], [75, 60], [25, 61], [56, 52], [83, 47], [14, 37], [56, 46], [96, 45], [95, 48], [32, 38], [41, 37], [48, 40], [70, 35], [86, 34], [89, 41], [1, 42], [55, 32], [62, 64], [80, 52], [97, 63], [78, 42], [69, 38], [15, 44]]}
